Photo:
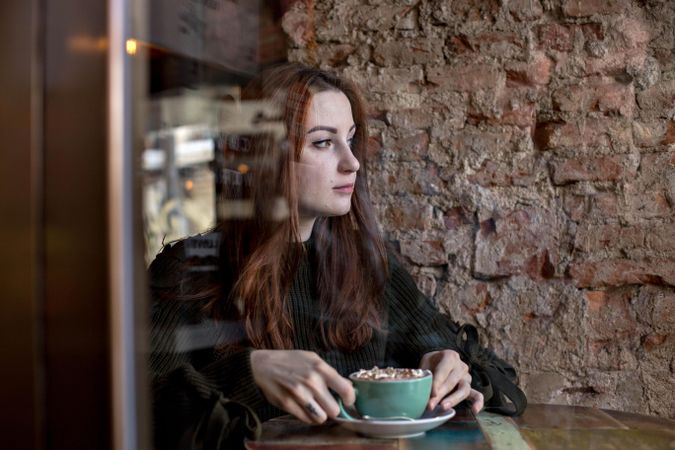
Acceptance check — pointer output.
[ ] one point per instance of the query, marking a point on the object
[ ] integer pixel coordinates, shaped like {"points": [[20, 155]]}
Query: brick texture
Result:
{"points": [[526, 172], [604, 95], [584, 8], [466, 78]]}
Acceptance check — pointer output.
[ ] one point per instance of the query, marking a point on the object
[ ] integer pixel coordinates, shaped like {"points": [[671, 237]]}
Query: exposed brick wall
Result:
{"points": [[526, 172]]}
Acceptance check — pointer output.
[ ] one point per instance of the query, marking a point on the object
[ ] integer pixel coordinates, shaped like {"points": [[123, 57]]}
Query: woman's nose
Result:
{"points": [[348, 162]]}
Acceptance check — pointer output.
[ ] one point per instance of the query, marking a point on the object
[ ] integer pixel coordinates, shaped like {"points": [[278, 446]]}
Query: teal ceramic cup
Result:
{"points": [[386, 399]]}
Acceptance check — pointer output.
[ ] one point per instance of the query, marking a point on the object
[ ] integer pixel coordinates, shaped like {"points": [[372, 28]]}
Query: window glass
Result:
{"points": [[270, 282]]}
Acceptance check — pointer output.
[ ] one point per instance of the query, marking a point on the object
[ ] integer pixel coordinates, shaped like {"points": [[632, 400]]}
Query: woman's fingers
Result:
{"points": [[314, 398], [342, 386], [460, 393], [477, 400], [298, 382], [452, 384], [449, 385], [448, 370], [323, 398], [324, 377], [442, 372], [311, 401], [303, 407]]}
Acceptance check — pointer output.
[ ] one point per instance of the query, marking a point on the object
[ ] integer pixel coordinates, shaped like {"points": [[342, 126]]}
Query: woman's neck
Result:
{"points": [[306, 225]]}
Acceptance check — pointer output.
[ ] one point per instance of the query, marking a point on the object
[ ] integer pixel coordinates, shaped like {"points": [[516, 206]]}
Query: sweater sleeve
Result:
{"points": [[186, 348], [188, 364], [415, 326]]}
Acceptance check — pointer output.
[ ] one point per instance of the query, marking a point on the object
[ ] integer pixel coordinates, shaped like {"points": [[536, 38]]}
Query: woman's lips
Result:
{"points": [[345, 188]]}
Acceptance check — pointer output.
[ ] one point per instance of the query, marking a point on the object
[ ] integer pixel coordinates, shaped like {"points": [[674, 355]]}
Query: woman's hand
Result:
{"points": [[451, 376], [297, 382]]}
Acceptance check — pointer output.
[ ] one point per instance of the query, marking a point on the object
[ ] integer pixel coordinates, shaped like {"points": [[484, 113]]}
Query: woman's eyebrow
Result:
{"points": [[329, 129]]}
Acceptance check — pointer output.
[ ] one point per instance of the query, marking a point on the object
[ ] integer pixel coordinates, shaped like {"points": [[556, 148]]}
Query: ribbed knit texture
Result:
{"points": [[185, 375]]}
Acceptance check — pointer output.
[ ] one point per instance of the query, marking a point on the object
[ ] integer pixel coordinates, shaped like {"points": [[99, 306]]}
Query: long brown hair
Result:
{"points": [[260, 254]]}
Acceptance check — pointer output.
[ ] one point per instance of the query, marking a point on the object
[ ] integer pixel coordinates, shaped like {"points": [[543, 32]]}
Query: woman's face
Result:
{"points": [[326, 171]]}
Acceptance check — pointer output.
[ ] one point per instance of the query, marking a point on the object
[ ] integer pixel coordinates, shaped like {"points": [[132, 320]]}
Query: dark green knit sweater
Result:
{"points": [[189, 365]]}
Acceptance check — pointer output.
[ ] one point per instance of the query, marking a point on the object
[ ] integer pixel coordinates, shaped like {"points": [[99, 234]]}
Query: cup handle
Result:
{"points": [[343, 411]]}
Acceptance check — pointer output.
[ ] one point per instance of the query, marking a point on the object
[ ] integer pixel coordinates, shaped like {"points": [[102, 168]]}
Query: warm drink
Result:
{"points": [[390, 392], [390, 373]]}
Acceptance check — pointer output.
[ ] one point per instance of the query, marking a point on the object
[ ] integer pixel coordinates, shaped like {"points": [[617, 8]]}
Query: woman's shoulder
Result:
{"points": [[179, 260], [396, 268], [399, 281]]}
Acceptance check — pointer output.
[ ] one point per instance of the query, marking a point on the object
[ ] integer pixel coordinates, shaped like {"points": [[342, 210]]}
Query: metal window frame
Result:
{"points": [[126, 82]]}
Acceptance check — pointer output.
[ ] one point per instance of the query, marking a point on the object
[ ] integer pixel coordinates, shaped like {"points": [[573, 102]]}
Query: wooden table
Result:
{"points": [[541, 427]]}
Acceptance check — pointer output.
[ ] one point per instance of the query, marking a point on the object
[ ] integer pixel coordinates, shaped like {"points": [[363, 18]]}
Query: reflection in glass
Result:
{"points": [[273, 282]]}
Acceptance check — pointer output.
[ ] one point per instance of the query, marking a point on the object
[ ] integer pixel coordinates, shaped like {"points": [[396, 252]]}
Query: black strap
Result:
{"points": [[493, 377]]}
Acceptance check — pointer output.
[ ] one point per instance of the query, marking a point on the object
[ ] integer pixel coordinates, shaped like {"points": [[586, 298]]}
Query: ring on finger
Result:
{"points": [[311, 409]]}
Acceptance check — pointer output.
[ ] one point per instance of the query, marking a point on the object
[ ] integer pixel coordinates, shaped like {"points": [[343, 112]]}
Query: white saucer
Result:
{"points": [[392, 429]]}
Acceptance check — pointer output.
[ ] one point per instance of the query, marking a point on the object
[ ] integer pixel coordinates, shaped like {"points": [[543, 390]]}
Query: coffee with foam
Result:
{"points": [[390, 373]]}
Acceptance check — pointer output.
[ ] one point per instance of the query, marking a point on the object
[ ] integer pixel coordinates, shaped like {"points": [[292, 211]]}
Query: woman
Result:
{"points": [[302, 291]]}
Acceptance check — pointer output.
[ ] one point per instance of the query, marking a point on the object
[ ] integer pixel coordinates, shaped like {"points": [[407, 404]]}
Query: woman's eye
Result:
{"points": [[325, 143], [350, 142]]}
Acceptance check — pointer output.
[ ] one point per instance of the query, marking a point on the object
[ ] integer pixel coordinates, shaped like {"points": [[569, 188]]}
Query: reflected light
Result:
{"points": [[132, 46], [243, 168], [87, 44], [189, 185]]}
